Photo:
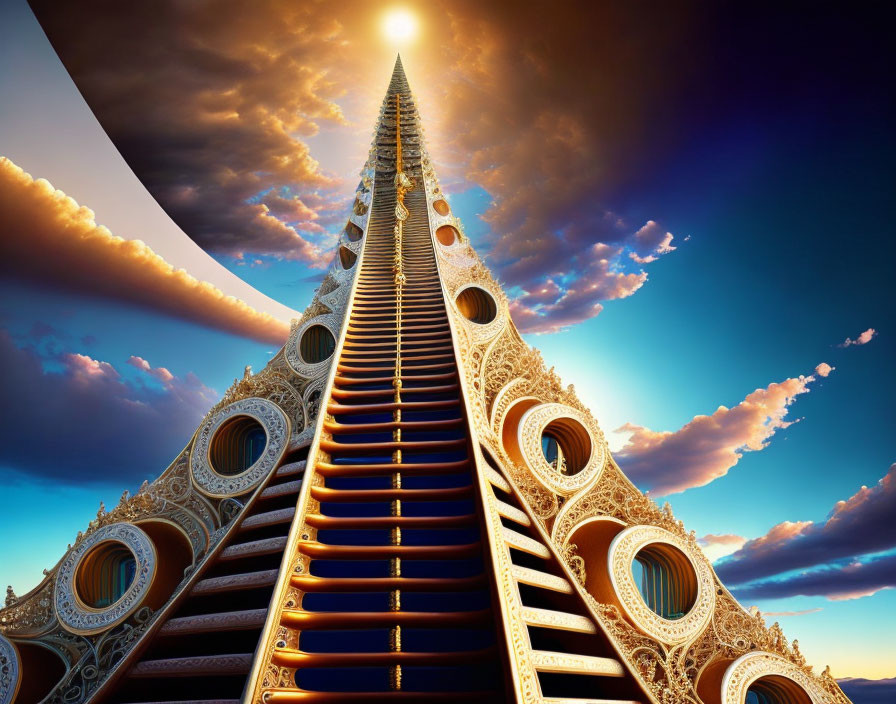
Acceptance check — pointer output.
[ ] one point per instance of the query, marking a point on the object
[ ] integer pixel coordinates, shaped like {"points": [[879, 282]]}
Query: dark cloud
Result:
{"points": [[862, 691], [851, 581], [861, 525], [57, 243], [76, 420], [559, 115]]}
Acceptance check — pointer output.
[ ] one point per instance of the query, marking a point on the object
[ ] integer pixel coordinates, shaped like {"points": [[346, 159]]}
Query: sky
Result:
{"points": [[689, 207]]}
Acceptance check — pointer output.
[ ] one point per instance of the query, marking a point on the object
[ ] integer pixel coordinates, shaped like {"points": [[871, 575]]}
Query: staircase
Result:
{"points": [[203, 652], [572, 658], [397, 604]]}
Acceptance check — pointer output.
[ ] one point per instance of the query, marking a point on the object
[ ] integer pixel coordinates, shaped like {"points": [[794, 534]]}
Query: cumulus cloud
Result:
{"points": [[860, 525], [704, 449], [862, 339], [57, 243], [717, 546], [77, 419], [824, 369], [835, 582]]}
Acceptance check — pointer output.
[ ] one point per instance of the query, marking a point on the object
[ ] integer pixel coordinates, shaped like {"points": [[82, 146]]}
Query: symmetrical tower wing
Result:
{"points": [[649, 589], [163, 597]]}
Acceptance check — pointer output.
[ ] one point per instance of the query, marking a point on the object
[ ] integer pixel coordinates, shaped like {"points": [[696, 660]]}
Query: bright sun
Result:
{"points": [[399, 25]]}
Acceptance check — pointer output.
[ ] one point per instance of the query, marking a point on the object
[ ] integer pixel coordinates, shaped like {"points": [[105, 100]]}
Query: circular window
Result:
{"points": [[347, 257], [666, 580], [441, 207], [566, 446], [446, 235], [105, 574], [477, 305], [353, 232], [774, 689], [317, 344], [237, 445]]}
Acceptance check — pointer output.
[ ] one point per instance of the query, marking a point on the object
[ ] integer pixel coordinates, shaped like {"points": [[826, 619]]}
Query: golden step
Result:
{"points": [[305, 620], [558, 620], [297, 658], [309, 583], [537, 578], [496, 479], [572, 664], [524, 543], [513, 513]]}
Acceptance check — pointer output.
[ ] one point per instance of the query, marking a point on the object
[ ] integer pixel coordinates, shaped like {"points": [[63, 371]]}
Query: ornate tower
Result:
{"points": [[403, 506]]}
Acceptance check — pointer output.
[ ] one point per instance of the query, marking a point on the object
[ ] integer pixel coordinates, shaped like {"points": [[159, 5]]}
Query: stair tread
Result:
{"points": [[537, 578], [525, 543], [194, 665], [246, 580], [203, 623], [560, 620]]}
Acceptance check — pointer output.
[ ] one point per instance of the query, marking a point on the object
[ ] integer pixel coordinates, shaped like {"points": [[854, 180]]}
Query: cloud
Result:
{"points": [[77, 420], [213, 107], [835, 582], [804, 612], [57, 243], [863, 338], [864, 691], [717, 546], [824, 369], [705, 448], [226, 112], [860, 525]]}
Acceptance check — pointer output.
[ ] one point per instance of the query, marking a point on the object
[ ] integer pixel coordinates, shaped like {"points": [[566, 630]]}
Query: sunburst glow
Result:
{"points": [[399, 25]]}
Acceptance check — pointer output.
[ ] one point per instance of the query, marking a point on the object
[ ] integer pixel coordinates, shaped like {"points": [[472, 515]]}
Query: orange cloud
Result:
{"points": [[717, 546], [824, 369], [863, 338], [57, 243], [704, 449]]}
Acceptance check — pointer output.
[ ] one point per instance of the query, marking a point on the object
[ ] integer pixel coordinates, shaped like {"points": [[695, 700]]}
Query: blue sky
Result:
{"points": [[783, 243]]}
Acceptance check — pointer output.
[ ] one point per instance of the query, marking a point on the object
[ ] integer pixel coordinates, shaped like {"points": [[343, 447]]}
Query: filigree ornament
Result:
{"points": [[482, 333], [310, 370], [277, 428], [748, 668], [78, 617], [10, 672], [529, 432], [623, 550]]}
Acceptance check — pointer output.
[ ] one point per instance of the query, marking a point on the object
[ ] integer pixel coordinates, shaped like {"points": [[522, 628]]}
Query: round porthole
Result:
{"points": [[105, 574], [105, 578], [317, 344], [446, 235], [441, 207], [561, 445], [774, 689], [761, 677], [666, 580], [566, 446], [30, 673], [237, 445], [353, 232], [662, 583], [477, 305], [347, 257]]}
